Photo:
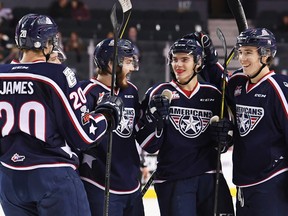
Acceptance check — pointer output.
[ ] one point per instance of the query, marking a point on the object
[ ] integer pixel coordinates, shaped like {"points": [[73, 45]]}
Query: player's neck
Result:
{"points": [[191, 85], [263, 73], [32, 56], [105, 79]]}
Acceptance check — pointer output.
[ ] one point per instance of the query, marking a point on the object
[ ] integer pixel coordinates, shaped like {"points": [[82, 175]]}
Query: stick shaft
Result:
{"points": [[116, 29], [223, 40], [148, 184], [107, 175], [238, 12]]}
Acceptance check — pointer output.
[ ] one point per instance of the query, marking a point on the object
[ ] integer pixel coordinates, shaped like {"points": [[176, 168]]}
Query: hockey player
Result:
{"points": [[125, 164], [43, 120], [180, 111], [258, 98]]}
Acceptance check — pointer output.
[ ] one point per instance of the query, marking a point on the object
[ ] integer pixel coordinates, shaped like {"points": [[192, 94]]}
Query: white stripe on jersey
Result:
{"points": [[146, 141], [62, 96], [281, 95], [111, 191], [39, 166]]}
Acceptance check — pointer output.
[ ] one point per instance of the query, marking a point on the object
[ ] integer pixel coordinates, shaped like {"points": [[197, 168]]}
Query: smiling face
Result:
{"points": [[183, 66], [124, 76], [250, 59]]}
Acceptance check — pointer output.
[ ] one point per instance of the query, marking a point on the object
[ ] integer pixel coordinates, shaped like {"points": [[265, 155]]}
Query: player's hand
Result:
{"points": [[211, 55], [221, 132], [159, 109], [112, 108]]}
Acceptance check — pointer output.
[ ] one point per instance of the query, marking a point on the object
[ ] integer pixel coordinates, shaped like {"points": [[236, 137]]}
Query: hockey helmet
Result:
{"points": [[103, 52], [261, 38], [188, 44], [33, 31]]}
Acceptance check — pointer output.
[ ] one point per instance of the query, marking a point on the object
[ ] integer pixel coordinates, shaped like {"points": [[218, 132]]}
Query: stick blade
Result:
{"points": [[113, 17], [221, 37], [126, 5]]}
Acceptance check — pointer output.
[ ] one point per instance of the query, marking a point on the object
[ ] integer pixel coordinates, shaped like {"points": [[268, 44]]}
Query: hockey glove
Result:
{"points": [[159, 110], [112, 108], [221, 132], [211, 55]]}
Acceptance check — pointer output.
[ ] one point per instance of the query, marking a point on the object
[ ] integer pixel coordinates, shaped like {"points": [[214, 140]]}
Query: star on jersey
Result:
{"points": [[68, 150], [190, 122], [247, 118], [244, 121], [125, 128], [88, 159], [92, 129], [124, 124]]}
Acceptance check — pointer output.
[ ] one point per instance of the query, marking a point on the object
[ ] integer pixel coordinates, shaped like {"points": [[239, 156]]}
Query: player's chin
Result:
{"points": [[247, 72], [182, 78], [123, 83]]}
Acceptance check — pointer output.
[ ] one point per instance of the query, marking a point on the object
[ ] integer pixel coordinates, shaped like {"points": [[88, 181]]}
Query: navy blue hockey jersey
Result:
{"points": [[185, 147], [261, 141], [43, 117], [125, 164]]}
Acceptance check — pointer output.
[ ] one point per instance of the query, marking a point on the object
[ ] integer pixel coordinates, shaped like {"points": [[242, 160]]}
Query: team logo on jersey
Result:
{"points": [[100, 97], [190, 122], [175, 95], [70, 77], [17, 158], [247, 118], [85, 115], [125, 128], [237, 91]]}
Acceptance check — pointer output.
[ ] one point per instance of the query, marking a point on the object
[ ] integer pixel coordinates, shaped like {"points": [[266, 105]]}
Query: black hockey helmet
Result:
{"points": [[33, 31], [189, 45], [261, 38], [103, 52]]}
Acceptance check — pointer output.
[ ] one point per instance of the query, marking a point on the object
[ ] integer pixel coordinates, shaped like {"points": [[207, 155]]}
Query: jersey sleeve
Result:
{"points": [[79, 125], [280, 104], [148, 137], [213, 74]]}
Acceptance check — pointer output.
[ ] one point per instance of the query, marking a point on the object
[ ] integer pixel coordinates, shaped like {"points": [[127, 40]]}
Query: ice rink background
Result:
{"points": [[151, 204]]}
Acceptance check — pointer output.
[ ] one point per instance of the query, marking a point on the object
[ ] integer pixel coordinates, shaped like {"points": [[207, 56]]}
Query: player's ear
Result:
{"points": [[198, 66], [265, 59], [110, 66]]}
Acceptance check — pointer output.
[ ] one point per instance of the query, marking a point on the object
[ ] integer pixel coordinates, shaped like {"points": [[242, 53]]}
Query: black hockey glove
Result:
{"points": [[211, 55], [159, 109], [221, 132], [112, 108]]}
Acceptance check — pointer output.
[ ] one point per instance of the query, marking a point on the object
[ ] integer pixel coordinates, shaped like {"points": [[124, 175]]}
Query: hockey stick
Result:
{"points": [[220, 35], [241, 21], [148, 184], [126, 6], [116, 27], [127, 9], [118, 30]]}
